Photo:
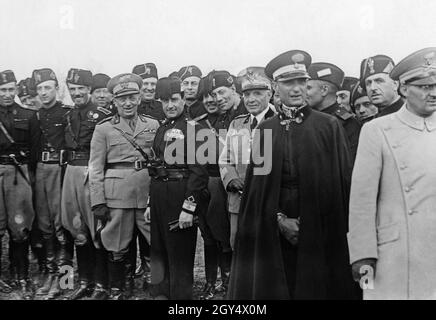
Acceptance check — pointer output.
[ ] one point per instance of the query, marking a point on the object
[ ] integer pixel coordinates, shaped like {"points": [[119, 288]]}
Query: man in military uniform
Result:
{"points": [[190, 77], [48, 143], [101, 96], [118, 177], [16, 209], [235, 157], [326, 79], [293, 212], [363, 108], [344, 93], [178, 192], [76, 212], [223, 86], [149, 106], [381, 89], [27, 94]]}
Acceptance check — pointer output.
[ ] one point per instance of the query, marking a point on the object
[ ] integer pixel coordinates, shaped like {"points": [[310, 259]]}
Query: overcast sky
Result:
{"points": [[112, 36]]}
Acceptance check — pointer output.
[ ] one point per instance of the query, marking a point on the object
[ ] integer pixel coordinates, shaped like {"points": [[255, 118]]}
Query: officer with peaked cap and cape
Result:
{"points": [[291, 241]]}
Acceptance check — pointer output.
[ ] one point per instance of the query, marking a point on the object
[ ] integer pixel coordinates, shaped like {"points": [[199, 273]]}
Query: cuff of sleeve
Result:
{"points": [[189, 205]]}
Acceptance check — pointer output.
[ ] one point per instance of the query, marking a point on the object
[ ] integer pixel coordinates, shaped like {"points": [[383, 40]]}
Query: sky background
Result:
{"points": [[112, 36]]}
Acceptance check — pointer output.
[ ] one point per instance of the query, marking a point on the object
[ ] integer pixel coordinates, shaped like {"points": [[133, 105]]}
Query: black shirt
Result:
{"points": [[152, 108]]}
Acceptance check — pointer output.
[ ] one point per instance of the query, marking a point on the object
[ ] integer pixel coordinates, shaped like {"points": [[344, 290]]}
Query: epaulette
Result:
{"points": [[343, 114], [143, 116], [66, 106], [105, 120], [104, 110]]}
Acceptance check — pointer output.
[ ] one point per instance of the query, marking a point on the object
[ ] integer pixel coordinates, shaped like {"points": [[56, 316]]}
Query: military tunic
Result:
{"points": [[123, 190], [76, 204], [173, 252], [16, 209]]}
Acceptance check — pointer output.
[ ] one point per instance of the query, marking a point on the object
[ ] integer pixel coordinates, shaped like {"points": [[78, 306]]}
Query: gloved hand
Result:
{"points": [[235, 185], [289, 228], [101, 213], [356, 267]]}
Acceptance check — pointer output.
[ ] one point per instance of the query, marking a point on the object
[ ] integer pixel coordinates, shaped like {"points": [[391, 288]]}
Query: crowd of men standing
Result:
{"points": [[119, 169]]}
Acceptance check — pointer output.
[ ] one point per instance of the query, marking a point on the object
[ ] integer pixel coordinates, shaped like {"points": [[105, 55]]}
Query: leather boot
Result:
{"points": [[130, 280], [211, 270], [147, 274], [85, 286], [55, 289], [4, 287], [100, 293], [26, 291], [49, 247], [117, 270], [225, 261]]}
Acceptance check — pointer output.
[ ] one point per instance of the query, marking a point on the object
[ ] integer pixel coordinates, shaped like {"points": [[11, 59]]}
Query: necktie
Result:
{"points": [[253, 123]]}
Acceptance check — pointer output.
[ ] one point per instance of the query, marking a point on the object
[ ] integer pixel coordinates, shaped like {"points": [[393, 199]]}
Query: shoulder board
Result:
{"points": [[343, 114], [204, 115], [66, 106], [105, 111], [143, 116], [105, 120]]}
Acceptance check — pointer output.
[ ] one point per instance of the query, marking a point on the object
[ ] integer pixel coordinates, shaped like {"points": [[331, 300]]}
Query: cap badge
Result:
{"points": [[190, 70], [429, 58], [213, 83], [230, 80], [4, 77], [371, 65], [147, 70], [296, 59], [52, 75], [38, 77], [76, 77]]}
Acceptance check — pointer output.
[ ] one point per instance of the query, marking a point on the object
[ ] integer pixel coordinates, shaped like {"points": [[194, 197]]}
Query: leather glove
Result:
{"points": [[356, 267], [186, 220], [101, 213], [235, 185], [289, 228]]}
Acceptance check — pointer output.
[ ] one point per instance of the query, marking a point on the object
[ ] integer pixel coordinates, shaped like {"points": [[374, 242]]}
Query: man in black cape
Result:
{"points": [[291, 241]]}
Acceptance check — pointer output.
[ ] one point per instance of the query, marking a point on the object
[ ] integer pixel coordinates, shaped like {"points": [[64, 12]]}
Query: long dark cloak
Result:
{"points": [[324, 170]]}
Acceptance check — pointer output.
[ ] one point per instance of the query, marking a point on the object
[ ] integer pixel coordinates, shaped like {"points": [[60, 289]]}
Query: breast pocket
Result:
{"points": [[21, 124], [145, 139], [120, 146]]}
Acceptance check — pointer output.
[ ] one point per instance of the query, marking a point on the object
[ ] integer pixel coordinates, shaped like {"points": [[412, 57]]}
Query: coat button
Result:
{"points": [[408, 189], [395, 146], [411, 212], [403, 167]]}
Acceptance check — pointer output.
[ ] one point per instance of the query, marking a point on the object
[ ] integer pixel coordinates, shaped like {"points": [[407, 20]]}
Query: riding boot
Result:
{"points": [[117, 270], [21, 260], [225, 261], [4, 287], [211, 270], [49, 246], [101, 275], [85, 286]]}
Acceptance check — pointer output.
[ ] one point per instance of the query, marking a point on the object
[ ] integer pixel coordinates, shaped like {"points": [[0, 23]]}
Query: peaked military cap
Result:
{"points": [[146, 70], [253, 78], [7, 76], [289, 65], [326, 72], [418, 68], [79, 77], [166, 87], [376, 64], [100, 80], [349, 83], [125, 84], [189, 71], [41, 75]]}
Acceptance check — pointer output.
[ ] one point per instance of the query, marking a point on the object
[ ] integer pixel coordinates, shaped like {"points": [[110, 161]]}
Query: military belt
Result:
{"points": [[50, 157], [137, 165], [165, 174], [8, 160]]}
